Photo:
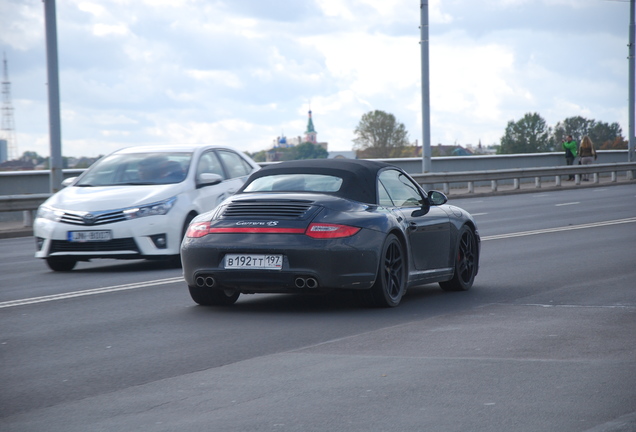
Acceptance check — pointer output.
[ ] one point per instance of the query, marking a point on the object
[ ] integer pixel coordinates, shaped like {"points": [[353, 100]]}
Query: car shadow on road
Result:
{"points": [[335, 301], [123, 266]]}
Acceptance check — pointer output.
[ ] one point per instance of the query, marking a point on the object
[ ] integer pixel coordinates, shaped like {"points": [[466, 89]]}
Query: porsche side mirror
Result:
{"points": [[208, 179], [437, 198]]}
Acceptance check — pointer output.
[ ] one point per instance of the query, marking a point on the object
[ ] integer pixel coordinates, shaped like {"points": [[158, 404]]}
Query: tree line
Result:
{"points": [[531, 134], [380, 135]]}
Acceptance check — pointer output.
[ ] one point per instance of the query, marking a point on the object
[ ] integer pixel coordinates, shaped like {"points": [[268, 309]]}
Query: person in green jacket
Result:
{"points": [[569, 145]]}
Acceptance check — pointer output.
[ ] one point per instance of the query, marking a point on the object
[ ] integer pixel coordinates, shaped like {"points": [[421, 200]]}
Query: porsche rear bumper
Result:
{"points": [[308, 264]]}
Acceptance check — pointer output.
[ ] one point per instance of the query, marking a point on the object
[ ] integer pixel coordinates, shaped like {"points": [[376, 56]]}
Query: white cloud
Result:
{"points": [[92, 8], [110, 29], [241, 72]]}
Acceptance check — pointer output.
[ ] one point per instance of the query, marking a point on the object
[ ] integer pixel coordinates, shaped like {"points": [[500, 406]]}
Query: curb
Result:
{"points": [[15, 232]]}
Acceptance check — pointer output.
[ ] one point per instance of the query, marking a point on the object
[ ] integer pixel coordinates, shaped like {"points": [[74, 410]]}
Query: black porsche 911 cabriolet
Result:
{"points": [[329, 224]]}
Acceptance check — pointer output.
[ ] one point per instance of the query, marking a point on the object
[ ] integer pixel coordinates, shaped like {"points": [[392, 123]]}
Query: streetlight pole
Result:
{"points": [[55, 134], [630, 151], [426, 98]]}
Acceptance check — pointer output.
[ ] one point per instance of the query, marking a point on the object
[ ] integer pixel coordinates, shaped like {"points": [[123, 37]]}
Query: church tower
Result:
{"points": [[310, 133]]}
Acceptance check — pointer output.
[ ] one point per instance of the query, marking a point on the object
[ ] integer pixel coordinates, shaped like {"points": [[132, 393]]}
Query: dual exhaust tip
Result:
{"points": [[300, 282], [309, 282], [207, 281]]}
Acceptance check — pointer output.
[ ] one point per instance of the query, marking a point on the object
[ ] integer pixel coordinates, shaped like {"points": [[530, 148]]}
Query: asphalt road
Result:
{"points": [[544, 341]]}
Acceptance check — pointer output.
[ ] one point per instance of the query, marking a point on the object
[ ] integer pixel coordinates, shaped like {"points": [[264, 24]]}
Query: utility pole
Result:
{"points": [[426, 95], [8, 124], [55, 134], [632, 68]]}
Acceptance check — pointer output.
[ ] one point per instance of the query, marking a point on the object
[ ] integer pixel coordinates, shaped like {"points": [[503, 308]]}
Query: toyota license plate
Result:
{"points": [[89, 236], [249, 261]]}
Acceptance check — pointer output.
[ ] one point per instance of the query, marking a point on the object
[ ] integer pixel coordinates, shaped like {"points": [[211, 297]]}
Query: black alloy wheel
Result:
{"points": [[465, 262], [390, 283]]}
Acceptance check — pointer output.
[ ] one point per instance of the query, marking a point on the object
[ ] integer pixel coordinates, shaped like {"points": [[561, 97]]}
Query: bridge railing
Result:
{"points": [[468, 179], [451, 183]]}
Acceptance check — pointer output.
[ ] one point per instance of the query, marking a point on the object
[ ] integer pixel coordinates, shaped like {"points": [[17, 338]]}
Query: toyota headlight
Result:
{"points": [[154, 209], [50, 213]]}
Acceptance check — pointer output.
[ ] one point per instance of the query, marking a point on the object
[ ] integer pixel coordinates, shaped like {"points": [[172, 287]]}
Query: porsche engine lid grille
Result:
{"points": [[268, 209]]}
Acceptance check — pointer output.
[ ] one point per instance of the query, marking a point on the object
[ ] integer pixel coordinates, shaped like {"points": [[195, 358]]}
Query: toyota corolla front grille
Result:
{"points": [[91, 219]]}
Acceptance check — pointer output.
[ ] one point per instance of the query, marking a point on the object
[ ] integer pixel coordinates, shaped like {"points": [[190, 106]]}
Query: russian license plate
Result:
{"points": [[248, 261], [89, 236]]}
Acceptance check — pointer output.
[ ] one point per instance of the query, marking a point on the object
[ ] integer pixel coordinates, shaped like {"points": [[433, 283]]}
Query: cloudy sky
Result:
{"points": [[242, 72]]}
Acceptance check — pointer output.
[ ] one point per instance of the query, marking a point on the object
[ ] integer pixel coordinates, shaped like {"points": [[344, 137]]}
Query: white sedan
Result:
{"points": [[136, 203]]}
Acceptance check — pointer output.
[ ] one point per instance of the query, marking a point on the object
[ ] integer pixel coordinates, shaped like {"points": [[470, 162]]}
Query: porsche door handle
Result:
{"points": [[412, 226]]}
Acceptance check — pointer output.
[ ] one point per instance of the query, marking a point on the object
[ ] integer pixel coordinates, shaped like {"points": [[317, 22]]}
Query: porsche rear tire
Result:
{"points": [[390, 283], [466, 256], [213, 297]]}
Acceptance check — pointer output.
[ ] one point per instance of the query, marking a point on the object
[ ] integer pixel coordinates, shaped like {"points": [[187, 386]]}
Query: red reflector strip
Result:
{"points": [[317, 231], [260, 230]]}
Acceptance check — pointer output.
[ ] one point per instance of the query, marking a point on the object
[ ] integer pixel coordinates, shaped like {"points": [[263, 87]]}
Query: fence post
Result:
{"points": [[27, 218]]}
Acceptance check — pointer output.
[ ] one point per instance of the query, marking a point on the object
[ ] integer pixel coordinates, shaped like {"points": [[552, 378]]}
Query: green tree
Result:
{"points": [[576, 126], [528, 135], [286, 153], [380, 135], [618, 143], [260, 156], [599, 132], [32, 156], [309, 150]]}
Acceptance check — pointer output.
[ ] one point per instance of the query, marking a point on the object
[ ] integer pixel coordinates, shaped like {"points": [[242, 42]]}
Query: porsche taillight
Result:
{"points": [[330, 231], [198, 229]]}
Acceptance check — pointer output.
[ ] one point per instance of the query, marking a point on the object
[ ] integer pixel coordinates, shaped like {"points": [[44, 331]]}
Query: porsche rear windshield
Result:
{"points": [[295, 183]]}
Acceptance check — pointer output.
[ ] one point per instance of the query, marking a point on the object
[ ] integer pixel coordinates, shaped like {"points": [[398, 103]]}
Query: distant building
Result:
{"points": [[311, 136], [482, 150], [17, 165], [348, 154], [449, 150]]}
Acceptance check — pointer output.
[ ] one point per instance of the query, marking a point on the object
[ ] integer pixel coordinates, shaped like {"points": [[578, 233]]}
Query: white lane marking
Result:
{"points": [[137, 285], [89, 292], [479, 214], [567, 204], [558, 229]]}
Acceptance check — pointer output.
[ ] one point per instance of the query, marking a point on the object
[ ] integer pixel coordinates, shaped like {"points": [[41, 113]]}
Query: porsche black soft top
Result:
{"points": [[358, 175]]}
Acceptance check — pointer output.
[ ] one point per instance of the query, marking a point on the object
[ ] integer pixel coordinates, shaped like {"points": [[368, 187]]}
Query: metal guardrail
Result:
{"points": [[470, 178], [30, 202], [26, 202]]}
